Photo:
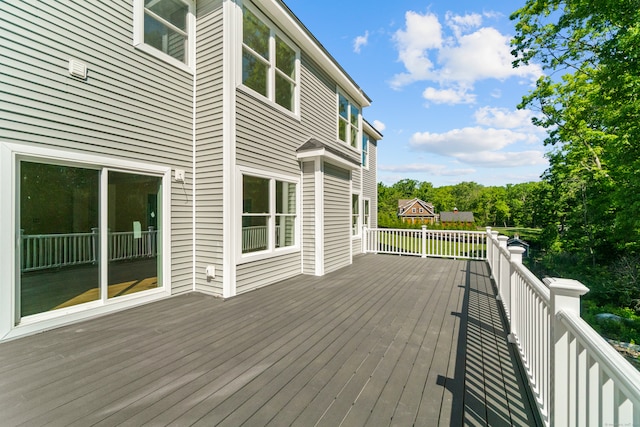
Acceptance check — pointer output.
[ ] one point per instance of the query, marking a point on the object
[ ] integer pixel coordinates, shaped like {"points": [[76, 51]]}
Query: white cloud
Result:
{"points": [[471, 53], [448, 96], [466, 140], [490, 159], [360, 41], [510, 119], [462, 23], [480, 147], [433, 169], [379, 126], [422, 33]]}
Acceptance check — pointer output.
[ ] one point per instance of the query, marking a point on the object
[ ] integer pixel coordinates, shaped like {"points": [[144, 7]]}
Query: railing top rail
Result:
{"points": [[418, 230], [610, 361], [536, 284]]}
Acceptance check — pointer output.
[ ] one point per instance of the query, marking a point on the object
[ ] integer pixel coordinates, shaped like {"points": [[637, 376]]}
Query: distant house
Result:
{"points": [[456, 217], [416, 211]]}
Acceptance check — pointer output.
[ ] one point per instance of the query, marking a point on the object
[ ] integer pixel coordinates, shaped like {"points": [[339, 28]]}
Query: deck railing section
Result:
{"points": [[577, 378], [426, 243], [44, 251]]}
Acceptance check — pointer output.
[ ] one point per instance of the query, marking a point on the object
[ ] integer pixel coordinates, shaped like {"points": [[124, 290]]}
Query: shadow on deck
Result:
{"points": [[387, 341]]}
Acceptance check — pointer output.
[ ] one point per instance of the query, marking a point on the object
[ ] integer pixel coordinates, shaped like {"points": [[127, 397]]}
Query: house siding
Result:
{"points": [[370, 183], [337, 223], [265, 272], [209, 145], [131, 106], [308, 218]]}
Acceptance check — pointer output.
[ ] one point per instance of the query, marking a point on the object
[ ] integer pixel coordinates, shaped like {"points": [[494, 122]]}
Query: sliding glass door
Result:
{"points": [[86, 234]]}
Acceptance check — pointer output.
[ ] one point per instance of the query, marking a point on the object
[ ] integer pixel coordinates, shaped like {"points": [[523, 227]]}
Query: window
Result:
{"points": [[165, 28], [421, 210], [268, 214], [365, 151], [413, 210], [74, 250], [269, 63], [348, 121], [355, 215], [365, 213]]}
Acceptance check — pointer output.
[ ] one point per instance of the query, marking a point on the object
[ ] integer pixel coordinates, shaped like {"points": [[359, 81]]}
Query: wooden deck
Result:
{"points": [[387, 341]]}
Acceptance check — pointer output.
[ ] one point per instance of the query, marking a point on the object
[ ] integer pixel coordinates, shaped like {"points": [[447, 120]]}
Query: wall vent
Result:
{"points": [[77, 69]]}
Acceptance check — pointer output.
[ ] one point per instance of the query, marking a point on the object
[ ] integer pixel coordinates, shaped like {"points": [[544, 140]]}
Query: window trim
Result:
{"points": [[272, 251], [357, 216], [366, 139], [358, 147], [138, 37], [366, 200], [10, 155], [274, 32]]}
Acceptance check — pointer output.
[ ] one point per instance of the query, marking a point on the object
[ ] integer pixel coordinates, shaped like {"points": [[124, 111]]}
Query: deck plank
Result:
{"points": [[387, 341]]}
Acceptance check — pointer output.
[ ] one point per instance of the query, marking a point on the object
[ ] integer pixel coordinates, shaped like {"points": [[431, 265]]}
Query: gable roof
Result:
{"points": [[405, 204], [456, 216]]}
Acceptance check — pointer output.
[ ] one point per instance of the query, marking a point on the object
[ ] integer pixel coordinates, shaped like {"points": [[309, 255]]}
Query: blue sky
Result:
{"points": [[443, 89]]}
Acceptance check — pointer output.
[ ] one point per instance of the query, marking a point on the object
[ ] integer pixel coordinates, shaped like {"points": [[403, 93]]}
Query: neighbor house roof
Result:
{"points": [[405, 204], [456, 216]]}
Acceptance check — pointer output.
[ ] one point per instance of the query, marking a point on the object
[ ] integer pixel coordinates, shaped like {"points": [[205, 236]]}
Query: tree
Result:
{"points": [[590, 105]]}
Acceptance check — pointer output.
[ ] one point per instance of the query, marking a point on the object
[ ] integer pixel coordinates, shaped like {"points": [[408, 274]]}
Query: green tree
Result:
{"points": [[589, 104]]}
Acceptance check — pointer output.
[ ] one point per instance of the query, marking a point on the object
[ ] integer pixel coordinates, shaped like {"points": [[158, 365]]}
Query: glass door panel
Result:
{"points": [[134, 222], [59, 238]]}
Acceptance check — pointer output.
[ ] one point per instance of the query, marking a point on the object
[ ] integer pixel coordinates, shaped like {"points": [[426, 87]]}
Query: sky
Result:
{"points": [[444, 93]]}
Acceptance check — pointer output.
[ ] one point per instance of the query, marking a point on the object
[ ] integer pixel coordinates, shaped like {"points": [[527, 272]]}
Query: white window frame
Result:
{"points": [[357, 231], [271, 251], [138, 36], [366, 222], [271, 63], [358, 147], [10, 156], [365, 150]]}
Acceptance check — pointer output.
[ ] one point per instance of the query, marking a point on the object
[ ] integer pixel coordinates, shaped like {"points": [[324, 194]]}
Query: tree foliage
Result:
{"points": [[513, 205], [589, 103]]}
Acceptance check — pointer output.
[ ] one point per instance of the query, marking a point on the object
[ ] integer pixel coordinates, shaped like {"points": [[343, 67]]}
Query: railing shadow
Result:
{"points": [[488, 387]]}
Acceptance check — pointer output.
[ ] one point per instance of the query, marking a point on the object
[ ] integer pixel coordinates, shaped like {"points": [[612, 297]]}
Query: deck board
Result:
{"points": [[387, 341]]}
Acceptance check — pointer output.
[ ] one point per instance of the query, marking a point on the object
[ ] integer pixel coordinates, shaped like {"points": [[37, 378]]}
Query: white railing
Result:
{"points": [[44, 251], [426, 243], [257, 238], [577, 378]]}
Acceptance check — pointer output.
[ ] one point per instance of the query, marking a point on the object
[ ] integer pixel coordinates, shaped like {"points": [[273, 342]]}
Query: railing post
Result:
{"points": [[489, 247], [495, 252], [424, 241], [510, 294], [565, 296], [504, 266], [364, 239]]}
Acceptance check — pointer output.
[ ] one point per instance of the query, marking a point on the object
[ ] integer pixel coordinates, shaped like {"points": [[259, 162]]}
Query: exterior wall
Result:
{"points": [[337, 221], [308, 218], [208, 150], [131, 106], [370, 183]]}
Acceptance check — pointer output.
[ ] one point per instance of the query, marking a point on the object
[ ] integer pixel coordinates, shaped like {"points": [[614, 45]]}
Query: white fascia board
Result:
{"points": [[371, 131], [328, 157], [283, 19]]}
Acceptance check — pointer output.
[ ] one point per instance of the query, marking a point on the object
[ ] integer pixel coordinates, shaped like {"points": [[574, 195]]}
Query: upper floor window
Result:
{"points": [[269, 62], [365, 151], [348, 121], [165, 28]]}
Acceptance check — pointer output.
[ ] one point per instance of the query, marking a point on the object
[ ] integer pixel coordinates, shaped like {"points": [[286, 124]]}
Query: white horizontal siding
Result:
{"points": [[337, 220], [209, 137], [131, 106]]}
